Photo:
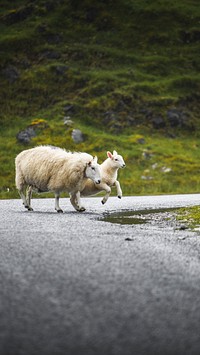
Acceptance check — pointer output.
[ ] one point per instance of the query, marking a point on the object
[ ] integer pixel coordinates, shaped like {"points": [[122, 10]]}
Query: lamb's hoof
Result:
{"points": [[119, 197], [102, 202], [59, 211]]}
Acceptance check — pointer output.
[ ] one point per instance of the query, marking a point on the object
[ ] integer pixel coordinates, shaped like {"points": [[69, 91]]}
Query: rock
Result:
{"points": [[53, 38], [183, 227], [61, 69], [19, 15], [67, 121], [158, 122], [144, 177], [50, 54], [146, 154], [178, 118], [173, 117], [11, 73], [164, 169], [77, 136], [25, 136], [68, 108], [141, 141]]}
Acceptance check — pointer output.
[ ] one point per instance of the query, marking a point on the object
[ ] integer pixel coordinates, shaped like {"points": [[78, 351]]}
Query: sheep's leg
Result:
{"points": [[23, 197], [108, 192], [119, 191], [21, 185], [76, 202], [28, 198], [57, 207]]}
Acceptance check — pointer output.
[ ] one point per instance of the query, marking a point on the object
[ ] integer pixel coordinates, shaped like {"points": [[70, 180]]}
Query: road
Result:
{"points": [[73, 284]]}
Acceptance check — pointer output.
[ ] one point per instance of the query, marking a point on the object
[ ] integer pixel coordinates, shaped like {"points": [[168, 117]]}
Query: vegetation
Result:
{"points": [[126, 73], [190, 216]]}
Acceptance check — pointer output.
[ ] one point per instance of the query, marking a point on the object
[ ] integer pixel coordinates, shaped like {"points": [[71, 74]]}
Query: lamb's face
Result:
{"points": [[117, 160], [93, 171]]}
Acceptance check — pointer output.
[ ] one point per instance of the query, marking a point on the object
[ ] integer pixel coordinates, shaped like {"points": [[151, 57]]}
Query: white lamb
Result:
{"points": [[47, 168], [109, 171]]}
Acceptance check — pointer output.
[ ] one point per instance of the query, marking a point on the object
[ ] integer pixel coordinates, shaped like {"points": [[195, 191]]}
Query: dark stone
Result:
{"points": [[25, 136], [25, 64], [158, 122], [50, 55], [53, 38], [177, 118], [141, 141], [91, 14], [19, 15], [61, 69], [190, 36], [42, 28], [11, 73], [68, 109], [173, 117]]}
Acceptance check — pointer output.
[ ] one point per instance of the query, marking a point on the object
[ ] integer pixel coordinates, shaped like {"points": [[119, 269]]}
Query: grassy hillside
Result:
{"points": [[127, 73]]}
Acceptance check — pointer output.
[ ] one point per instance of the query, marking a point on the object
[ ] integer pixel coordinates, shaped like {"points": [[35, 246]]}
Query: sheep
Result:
{"points": [[109, 170], [52, 169]]}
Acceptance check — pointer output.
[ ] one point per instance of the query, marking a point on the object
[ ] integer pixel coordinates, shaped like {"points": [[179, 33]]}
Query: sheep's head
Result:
{"points": [[93, 171], [117, 159]]}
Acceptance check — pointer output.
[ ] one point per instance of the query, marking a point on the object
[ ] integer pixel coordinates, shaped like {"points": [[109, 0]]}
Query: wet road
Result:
{"points": [[74, 284]]}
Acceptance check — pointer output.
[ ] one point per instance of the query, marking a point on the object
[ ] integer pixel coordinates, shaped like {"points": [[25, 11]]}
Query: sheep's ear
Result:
{"points": [[95, 159], [114, 152], [109, 155], [90, 163]]}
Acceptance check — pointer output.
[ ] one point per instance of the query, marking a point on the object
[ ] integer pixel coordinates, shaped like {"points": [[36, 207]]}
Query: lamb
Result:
{"points": [[109, 170], [52, 169]]}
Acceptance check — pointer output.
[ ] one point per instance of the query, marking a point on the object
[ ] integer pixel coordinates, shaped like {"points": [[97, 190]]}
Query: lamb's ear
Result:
{"points": [[95, 159], [114, 152], [90, 163], [109, 155]]}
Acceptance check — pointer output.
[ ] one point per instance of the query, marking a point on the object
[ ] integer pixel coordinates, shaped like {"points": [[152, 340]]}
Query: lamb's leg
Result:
{"points": [[119, 191], [108, 192], [28, 198], [57, 207], [76, 202]]}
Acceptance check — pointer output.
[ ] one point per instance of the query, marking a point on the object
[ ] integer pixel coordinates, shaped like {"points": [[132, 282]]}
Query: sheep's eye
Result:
{"points": [[93, 168], [116, 159]]}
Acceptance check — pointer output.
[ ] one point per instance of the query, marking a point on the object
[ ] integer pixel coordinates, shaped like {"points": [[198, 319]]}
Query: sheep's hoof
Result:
{"points": [[119, 197], [81, 209], [30, 208], [59, 211], [103, 202]]}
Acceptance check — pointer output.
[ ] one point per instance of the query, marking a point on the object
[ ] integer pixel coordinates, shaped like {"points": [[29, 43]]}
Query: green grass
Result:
{"points": [[121, 65], [190, 216]]}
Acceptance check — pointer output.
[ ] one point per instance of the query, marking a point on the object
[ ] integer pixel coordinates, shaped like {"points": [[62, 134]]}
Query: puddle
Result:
{"points": [[135, 217]]}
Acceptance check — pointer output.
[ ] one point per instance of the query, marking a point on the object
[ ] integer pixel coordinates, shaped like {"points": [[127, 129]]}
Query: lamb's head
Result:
{"points": [[93, 171], [117, 160]]}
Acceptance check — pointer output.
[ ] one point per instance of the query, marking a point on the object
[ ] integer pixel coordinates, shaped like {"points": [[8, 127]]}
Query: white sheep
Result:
{"points": [[109, 171], [52, 169]]}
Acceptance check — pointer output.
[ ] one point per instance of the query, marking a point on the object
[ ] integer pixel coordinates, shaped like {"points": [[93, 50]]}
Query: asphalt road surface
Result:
{"points": [[73, 284]]}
